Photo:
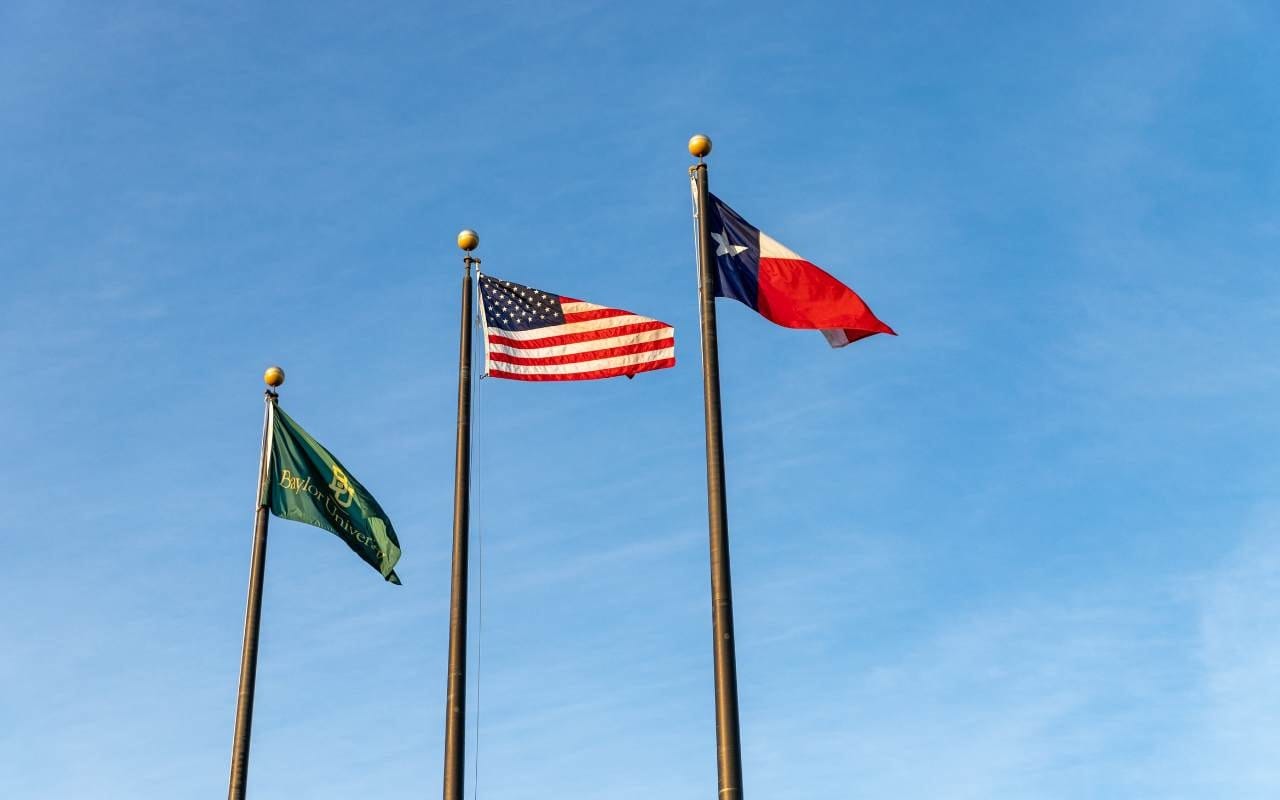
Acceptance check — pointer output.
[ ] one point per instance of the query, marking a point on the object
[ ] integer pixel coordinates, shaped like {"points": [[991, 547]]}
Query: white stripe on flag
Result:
{"points": [[772, 248], [578, 307], [836, 337]]}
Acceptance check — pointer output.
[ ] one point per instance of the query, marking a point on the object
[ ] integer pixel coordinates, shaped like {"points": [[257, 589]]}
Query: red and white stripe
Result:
{"points": [[594, 342]]}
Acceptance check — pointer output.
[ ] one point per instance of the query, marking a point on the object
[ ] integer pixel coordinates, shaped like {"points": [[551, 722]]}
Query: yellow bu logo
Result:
{"points": [[343, 493]]}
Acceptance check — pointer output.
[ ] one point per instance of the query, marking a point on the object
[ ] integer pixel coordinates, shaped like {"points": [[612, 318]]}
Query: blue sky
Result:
{"points": [[1028, 549]]}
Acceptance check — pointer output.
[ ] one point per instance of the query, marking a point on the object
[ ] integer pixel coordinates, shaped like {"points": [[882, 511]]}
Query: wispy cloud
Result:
{"points": [[1239, 627]]}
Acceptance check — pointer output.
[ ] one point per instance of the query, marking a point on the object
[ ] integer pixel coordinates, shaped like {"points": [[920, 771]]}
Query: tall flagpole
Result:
{"points": [[274, 377], [456, 691], [728, 744]]}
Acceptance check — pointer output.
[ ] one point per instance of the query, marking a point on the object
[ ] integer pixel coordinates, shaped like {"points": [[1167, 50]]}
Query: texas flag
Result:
{"points": [[755, 269]]}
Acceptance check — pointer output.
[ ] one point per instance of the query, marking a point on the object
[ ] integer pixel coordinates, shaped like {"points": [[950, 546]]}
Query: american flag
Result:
{"points": [[532, 335]]}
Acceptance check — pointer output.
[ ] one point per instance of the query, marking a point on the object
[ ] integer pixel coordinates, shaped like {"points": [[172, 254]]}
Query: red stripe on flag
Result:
{"points": [[574, 338], [590, 355], [586, 376], [595, 313], [798, 294]]}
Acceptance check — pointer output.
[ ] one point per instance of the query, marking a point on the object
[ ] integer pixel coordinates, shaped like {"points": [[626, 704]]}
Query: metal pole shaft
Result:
{"points": [[728, 745], [456, 692], [252, 619]]}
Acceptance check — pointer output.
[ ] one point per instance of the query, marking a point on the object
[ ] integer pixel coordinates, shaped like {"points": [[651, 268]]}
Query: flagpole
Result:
{"points": [[728, 744], [274, 377], [456, 690]]}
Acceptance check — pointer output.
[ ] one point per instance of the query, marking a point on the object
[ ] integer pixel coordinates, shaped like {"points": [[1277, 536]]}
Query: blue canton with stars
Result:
{"points": [[513, 307]]}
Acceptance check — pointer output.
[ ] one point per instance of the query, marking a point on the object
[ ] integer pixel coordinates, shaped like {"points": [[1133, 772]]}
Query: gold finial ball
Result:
{"points": [[468, 240], [700, 145], [273, 377]]}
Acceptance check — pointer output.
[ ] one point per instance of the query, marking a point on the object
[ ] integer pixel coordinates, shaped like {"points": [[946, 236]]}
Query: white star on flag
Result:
{"points": [[726, 248]]}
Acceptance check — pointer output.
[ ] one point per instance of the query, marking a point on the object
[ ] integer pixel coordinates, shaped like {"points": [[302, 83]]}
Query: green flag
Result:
{"points": [[307, 484]]}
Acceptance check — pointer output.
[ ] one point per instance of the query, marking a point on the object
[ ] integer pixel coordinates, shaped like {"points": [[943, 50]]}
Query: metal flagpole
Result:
{"points": [[274, 377], [456, 691], [728, 745]]}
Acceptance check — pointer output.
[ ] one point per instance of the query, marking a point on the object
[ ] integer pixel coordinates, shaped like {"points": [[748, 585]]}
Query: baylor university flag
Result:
{"points": [[307, 484]]}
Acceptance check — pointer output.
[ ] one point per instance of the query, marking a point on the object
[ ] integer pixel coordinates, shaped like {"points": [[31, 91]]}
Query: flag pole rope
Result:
{"points": [[477, 452]]}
